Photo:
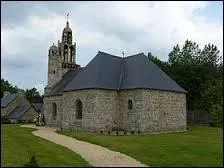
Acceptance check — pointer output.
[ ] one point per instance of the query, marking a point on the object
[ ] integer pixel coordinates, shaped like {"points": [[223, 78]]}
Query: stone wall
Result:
{"points": [[20, 100], [48, 111], [153, 110], [29, 115], [54, 70], [98, 112]]}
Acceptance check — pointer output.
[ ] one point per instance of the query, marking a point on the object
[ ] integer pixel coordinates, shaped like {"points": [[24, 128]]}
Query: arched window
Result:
{"points": [[78, 109], [54, 110], [130, 104]]}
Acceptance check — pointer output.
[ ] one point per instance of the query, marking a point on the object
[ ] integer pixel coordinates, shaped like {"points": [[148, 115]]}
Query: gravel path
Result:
{"points": [[94, 154]]}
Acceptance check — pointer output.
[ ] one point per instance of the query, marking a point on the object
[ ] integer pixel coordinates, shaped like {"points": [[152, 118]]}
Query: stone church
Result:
{"points": [[110, 93]]}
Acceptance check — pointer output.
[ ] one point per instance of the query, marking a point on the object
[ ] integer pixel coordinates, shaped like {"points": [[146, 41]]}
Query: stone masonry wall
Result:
{"points": [[153, 111], [99, 109], [20, 100], [48, 111]]}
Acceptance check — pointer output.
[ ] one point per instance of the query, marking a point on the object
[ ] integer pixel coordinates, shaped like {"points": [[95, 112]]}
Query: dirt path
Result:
{"points": [[94, 154]]}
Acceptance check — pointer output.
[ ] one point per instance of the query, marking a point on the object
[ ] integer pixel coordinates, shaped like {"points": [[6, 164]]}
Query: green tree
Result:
{"points": [[33, 95], [162, 64], [191, 67], [212, 99], [6, 86]]}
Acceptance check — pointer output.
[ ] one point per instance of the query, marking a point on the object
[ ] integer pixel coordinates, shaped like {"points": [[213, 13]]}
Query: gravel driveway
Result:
{"points": [[94, 154]]}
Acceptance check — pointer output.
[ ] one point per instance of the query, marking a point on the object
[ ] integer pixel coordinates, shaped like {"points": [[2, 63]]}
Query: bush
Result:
{"points": [[5, 120], [32, 162], [217, 114]]}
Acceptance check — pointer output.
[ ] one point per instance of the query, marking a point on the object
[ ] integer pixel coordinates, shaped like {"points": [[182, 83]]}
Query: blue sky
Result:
{"points": [[28, 29]]}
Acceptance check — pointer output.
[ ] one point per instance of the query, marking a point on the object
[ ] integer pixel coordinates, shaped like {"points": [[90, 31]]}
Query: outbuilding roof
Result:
{"points": [[7, 99], [38, 106], [17, 112]]}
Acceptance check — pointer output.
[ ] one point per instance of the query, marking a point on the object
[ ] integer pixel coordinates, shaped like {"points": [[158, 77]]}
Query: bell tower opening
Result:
{"points": [[61, 58]]}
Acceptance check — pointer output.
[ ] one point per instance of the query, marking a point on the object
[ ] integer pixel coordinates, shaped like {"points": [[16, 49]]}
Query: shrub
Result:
{"points": [[32, 162], [217, 114], [5, 120]]}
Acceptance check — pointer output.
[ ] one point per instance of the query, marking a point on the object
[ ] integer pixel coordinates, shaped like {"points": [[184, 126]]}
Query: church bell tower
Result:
{"points": [[61, 58]]}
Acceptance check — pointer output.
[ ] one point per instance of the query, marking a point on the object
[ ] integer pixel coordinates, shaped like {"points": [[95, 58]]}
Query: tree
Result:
{"points": [[6, 86], [33, 95], [212, 99], [162, 64], [190, 67]]}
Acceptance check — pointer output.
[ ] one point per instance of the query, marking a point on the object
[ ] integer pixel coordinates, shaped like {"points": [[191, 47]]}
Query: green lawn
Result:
{"points": [[18, 145], [202, 146]]}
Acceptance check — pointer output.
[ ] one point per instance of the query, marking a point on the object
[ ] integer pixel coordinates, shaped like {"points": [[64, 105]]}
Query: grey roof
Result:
{"points": [[17, 112], [107, 71], [38, 106], [66, 78], [140, 72], [7, 99], [102, 72]]}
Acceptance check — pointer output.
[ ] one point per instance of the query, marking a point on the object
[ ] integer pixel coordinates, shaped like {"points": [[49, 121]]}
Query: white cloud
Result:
{"points": [[40, 87]]}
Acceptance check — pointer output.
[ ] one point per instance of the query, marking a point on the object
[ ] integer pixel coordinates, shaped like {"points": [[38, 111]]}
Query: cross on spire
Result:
{"points": [[123, 53], [67, 17]]}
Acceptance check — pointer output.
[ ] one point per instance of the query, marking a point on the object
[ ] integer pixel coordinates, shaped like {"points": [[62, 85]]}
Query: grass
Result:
{"points": [[19, 145], [201, 146]]}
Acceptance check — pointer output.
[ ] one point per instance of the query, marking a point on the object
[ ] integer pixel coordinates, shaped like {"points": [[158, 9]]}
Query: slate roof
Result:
{"points": [[38, 106], [7, 99], [17, 112], [66, 78], [102, 72], [107, 71]]}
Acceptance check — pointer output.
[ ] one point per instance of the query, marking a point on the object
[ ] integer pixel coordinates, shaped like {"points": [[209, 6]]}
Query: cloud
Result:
{"points": [[112, 27], [40, 87]]}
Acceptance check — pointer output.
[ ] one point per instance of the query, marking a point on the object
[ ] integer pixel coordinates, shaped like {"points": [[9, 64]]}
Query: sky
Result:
{"points": [[29, 28]]}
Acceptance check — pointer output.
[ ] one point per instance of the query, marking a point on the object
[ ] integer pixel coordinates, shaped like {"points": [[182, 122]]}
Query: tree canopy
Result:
{"points": [[198, 71]]}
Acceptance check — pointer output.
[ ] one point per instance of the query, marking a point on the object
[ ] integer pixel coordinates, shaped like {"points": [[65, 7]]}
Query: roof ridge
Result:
{"points": [[109, 54], [135, 55], [121, 74]]}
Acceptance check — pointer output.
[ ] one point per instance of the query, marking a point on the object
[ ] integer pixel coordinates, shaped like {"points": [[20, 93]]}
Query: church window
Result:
{"points": [[130, 104], [54, 110], [78, 109]]}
